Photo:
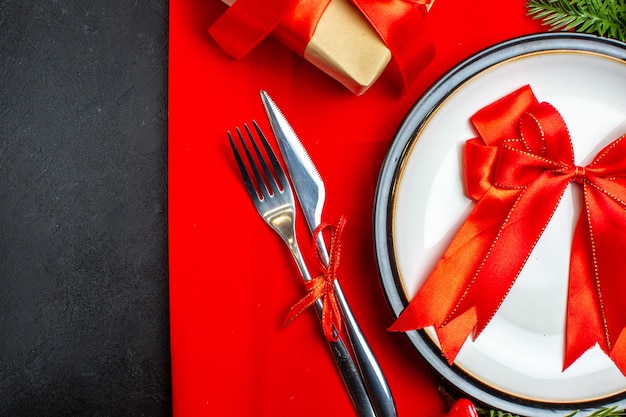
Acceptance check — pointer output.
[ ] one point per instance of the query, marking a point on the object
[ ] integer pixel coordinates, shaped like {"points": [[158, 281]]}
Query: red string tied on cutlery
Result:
{"points": [[517, 172], [322, 287], [399, 23]]}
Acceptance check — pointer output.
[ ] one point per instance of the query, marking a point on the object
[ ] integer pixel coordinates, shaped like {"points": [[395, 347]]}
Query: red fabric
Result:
{"points": [[519, 169], [399, 23], [247, 23], [231, 279]]}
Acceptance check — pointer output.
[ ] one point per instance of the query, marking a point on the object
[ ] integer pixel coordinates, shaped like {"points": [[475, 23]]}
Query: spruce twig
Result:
{"points": [[602, 412], [601, 17]]}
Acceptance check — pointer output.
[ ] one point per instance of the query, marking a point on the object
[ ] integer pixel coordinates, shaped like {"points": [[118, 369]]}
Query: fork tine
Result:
{"points": [[242, 168], [282, 178], [273, 186], [265, 192]]}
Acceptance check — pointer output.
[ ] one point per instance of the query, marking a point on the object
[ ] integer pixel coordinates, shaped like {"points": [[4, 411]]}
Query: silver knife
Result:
{"points": [[311, 194]]}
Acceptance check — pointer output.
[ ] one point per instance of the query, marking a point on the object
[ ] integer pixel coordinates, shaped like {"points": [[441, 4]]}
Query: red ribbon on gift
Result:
{"points": [[399, 23], [323, 287], [517, 171]]}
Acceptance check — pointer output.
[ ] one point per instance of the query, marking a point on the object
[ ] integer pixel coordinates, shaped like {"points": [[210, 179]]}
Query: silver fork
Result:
{"points": [[273, 199]]}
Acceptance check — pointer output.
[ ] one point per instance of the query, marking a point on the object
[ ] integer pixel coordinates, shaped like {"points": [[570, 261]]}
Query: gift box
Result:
{"points": [[352, 41]]}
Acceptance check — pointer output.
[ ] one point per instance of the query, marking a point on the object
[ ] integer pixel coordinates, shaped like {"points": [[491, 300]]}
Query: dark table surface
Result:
{"points": [[83, 212]]}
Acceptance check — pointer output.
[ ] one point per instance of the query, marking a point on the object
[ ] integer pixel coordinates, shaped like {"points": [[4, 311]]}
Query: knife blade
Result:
{"points": [[311, 194], [305, 178]]}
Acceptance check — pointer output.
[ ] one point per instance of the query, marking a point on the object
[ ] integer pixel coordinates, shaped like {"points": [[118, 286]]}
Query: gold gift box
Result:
{"points": [[346, 47]]}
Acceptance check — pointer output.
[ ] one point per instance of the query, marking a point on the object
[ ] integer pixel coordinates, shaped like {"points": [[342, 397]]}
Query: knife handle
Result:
{"points": [[350, 373], [351, 378], [372, 374], [373, 377]]}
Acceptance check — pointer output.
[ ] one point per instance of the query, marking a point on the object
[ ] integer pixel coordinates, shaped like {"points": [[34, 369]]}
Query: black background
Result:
{"points": [[83, 208]]}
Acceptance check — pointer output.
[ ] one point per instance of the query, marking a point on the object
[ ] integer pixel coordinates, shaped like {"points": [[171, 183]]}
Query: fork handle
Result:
{"points": [[350, 373]]}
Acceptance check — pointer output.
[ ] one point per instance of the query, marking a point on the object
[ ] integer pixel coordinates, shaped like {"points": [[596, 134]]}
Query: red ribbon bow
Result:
{"points": [[517, 172], [399, 23], [322, 288]]}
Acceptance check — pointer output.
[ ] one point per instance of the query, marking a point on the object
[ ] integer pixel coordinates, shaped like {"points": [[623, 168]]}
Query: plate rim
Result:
{"points": [[413, 122]]}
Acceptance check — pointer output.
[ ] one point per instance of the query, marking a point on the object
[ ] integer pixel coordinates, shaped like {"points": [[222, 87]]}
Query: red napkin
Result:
{"points": [[231, 279]]}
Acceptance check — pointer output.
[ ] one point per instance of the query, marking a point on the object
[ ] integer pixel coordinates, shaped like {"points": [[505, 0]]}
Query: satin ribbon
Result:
{"points": [[462, 408], [322, 287], [517, 171], [399, 23]]}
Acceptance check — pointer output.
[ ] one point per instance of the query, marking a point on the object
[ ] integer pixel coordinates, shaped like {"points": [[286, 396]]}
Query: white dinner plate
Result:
{"points": [[516, 363]]}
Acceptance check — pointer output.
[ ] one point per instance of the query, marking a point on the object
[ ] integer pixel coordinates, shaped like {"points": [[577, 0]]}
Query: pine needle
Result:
{"points": [[601, 17], [602, 412]]}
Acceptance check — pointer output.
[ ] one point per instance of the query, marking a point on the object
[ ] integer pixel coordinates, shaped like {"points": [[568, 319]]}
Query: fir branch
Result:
{"points": [[601, 17], [602, 412], [483, 412]]}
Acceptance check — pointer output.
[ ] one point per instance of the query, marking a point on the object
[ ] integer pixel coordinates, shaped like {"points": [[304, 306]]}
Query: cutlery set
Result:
{"points": [[272, 196]]}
